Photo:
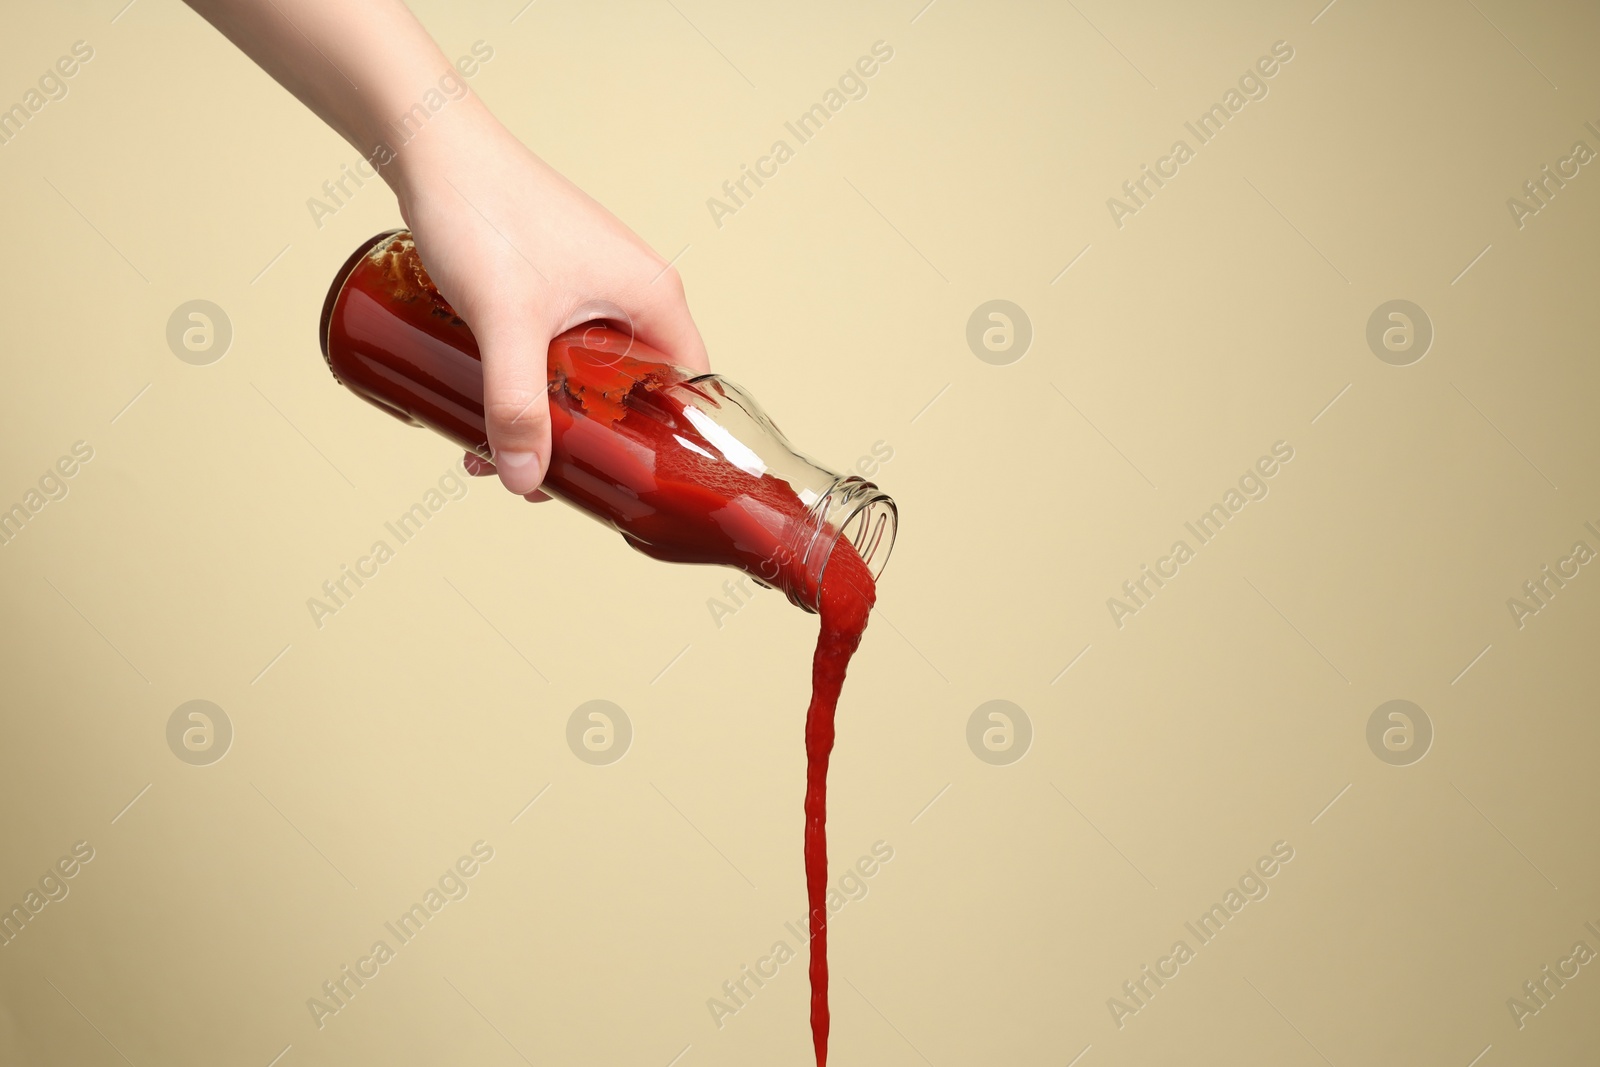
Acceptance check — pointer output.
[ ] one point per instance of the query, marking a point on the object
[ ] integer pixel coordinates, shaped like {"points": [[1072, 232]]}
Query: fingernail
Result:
{"points": [[518, 470]]}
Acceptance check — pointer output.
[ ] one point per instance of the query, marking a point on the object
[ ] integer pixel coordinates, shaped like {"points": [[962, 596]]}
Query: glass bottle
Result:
{"points": [[688, 468]]}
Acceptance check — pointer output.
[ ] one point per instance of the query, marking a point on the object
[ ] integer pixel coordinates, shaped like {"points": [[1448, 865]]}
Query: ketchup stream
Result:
{"points": [[848, 593], [629, 449]]}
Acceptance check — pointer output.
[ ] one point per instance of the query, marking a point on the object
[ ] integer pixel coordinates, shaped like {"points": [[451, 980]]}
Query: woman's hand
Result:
{"points": [[522, 254], [518, 250]]}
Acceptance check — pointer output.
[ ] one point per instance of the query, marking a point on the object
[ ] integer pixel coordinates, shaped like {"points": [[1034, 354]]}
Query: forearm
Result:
{"points": [[520, 252], [360, 65]]}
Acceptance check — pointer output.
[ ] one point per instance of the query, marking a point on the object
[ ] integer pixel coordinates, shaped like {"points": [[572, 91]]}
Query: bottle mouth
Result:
{"points": [[853, 510]]}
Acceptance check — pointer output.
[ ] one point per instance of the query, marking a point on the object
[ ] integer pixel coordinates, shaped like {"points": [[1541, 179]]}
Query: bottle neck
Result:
{"points": [[848, 510]]}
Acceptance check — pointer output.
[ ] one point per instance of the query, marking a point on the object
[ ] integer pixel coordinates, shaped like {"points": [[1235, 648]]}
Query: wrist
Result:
{"points": [[414, 151]]}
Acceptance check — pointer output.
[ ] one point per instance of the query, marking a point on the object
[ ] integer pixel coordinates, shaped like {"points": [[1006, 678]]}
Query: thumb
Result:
{"points": [[516, 401]]}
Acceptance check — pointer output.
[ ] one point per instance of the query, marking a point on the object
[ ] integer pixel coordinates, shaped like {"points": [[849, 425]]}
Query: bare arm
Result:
{"points": [[519, 251]]}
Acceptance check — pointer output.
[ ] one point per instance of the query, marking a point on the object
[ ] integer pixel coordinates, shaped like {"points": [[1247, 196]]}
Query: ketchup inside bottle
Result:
{"points": [[628, 448]]}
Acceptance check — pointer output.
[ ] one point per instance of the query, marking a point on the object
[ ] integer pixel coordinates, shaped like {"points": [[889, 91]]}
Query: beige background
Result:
{"points": [[1227, 715]]}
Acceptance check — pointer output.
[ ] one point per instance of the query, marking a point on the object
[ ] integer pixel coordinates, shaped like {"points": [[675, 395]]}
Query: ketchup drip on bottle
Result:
{"points": [[631, 444]]}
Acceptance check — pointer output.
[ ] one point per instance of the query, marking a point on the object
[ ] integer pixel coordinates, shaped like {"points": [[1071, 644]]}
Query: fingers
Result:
{"points": [[663, 322], [516, 405], [514, 342]]}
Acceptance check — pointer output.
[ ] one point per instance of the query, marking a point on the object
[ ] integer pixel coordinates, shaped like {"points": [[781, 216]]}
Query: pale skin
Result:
{"points": [[519, 251]]}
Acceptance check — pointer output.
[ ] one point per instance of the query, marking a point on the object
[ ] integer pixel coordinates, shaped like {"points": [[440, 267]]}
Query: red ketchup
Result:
{"points": [[687, 468]]}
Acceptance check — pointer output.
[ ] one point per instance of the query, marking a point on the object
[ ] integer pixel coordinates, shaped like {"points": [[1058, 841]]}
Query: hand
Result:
{"points": [[522, 254]]}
